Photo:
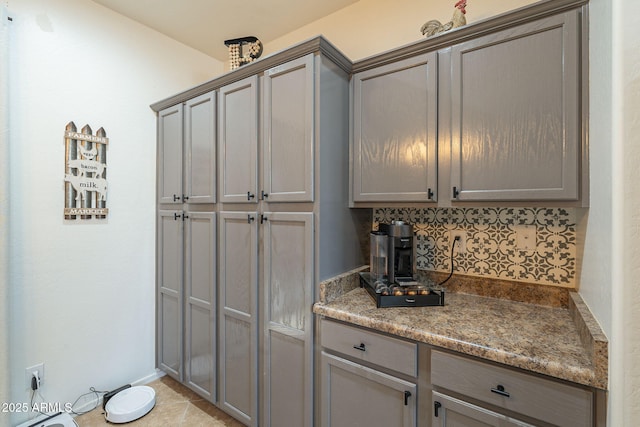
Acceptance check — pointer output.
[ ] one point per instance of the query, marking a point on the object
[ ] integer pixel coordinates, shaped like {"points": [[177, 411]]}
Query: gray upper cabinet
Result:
{"points": [[394, 153], [515, 113], [287, 143], [170, 155], [238, 141], [200, 149], [288, 131], [187, 151]]}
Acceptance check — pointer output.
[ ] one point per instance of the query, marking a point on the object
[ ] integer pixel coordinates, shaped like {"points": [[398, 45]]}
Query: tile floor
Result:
{"points": [[176, 406]]}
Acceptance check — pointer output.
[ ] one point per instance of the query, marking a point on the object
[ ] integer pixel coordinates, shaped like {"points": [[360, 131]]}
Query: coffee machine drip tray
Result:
{"points": [[409, 294]]}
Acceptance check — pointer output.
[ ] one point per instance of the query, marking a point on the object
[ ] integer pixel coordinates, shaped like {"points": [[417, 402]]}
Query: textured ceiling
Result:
{"points": [[205, 24]]}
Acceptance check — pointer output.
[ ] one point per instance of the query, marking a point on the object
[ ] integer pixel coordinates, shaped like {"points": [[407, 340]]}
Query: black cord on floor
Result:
{"points": [[453, 245]]}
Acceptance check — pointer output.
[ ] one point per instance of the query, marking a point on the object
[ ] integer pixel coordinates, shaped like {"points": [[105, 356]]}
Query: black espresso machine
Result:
{"points": [[399, 251], [390, 280]]}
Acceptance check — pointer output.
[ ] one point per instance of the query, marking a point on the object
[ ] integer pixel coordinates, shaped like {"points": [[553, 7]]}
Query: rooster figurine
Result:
{"points": [[434, 26]]}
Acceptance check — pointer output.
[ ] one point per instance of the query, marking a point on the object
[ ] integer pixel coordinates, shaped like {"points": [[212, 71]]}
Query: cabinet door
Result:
{"points": [[200, 299], [287, 319], [448, 411], [200, 149], [515, 113], [394, 132], [288, 138], [357, 396], [238, 239], [238, 141], [170, 155], [169, 293]]}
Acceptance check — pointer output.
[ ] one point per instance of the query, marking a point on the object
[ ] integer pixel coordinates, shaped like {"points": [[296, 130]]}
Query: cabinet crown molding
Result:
{"points": [[319, 44]]}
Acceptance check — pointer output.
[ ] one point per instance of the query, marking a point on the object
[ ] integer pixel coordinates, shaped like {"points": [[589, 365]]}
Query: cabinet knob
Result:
{"points": [[429, 194], [176, 216], [250, 195], [263, 219], [185, 198], [360, 347], [500, 390], [263, 195], [176, 197]]}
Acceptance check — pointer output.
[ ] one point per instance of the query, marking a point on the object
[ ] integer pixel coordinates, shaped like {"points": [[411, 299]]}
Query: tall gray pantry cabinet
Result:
{"points": [[186, 244], [283, 225]]}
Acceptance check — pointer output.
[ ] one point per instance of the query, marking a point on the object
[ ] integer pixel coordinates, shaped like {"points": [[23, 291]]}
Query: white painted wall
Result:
{"points": [[625, 143], [4, 203], [82, 294], [368, 27]]}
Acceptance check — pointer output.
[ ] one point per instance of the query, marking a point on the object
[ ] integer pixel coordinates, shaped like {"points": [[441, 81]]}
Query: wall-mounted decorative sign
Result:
{"points": [[243, 51], [85, 173]]}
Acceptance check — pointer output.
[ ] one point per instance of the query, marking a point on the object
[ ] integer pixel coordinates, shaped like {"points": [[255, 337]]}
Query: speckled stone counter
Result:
{"points": [[561, 340]]}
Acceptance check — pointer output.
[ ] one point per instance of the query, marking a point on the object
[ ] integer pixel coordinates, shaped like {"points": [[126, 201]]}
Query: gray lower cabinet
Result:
{"points": [[285, 290], [516, 113], [200, 320], [496, 390], [287, 294], [354, 395], [238, 336], [372, 379], [170, 288], [367, 379], [394, 137], [186, 298], [451, 412]]}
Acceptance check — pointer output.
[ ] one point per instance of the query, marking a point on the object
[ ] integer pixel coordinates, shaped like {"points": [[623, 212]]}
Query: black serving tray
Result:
{"points": [[433, 298]]}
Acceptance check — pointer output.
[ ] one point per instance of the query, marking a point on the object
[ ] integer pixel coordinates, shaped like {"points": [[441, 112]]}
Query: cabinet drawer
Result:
{"points": [[536, 397], [391, 353]]}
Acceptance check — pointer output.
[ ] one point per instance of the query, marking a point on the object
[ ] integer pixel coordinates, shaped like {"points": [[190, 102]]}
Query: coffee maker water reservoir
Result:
{"points": [[400, 256]]}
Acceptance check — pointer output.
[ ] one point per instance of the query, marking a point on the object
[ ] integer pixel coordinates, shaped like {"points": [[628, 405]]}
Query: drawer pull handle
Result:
{"points": [[407, 395], [436, 407], [360, 347], [500, 390]]}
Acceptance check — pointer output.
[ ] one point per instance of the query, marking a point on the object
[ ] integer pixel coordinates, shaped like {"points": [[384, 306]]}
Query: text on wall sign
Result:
{"points": [[85, 173]]}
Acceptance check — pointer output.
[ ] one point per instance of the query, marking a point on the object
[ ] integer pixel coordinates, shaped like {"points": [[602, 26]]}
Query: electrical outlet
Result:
{"points": [[28, 374], [460, 246], [526, 237]]}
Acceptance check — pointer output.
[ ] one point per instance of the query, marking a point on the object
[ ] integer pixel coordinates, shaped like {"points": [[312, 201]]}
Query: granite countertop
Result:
{"points": [[561, 339]]}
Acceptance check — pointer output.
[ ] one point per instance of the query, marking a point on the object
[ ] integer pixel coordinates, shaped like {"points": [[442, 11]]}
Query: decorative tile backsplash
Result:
{"points": [[491, 241]]}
